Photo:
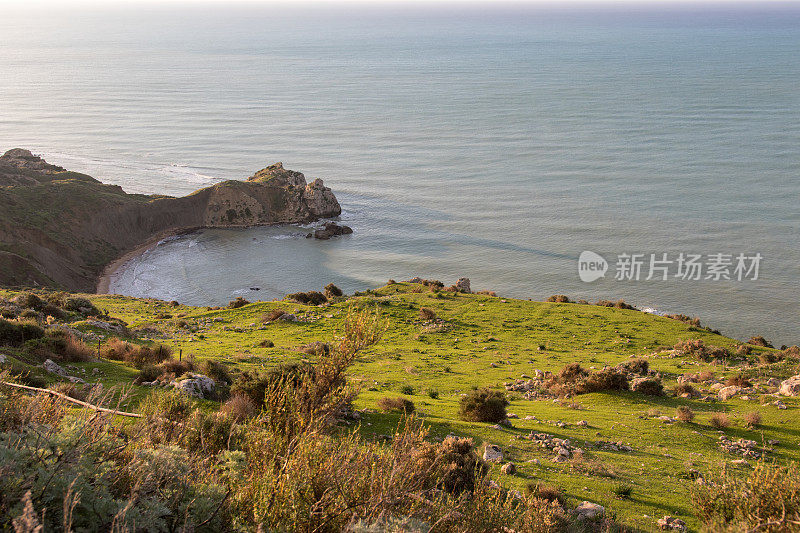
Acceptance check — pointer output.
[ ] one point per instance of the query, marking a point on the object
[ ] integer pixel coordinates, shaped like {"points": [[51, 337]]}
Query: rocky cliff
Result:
{"points": [[60, 228]]}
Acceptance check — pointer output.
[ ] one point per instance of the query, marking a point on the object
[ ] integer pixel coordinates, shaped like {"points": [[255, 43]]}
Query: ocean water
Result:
{"points": [[492, 142]]}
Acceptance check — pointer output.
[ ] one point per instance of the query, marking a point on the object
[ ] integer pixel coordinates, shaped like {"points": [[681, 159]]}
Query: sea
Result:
{"points": [[493, 141]]}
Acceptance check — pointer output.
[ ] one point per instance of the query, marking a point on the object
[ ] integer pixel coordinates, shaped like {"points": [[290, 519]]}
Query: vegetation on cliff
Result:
{"points": [[60, 228]]}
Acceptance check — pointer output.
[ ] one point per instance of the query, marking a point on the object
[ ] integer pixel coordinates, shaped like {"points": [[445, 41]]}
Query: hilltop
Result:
{"points": [[60, 228], [628, 411]]}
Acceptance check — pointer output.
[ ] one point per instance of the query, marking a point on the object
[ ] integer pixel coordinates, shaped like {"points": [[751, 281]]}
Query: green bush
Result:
{"points": [[483, 405], [310, 297], [332, 291], [17, 333]]}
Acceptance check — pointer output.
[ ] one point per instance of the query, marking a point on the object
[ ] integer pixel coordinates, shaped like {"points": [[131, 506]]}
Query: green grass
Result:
{"points": [[484, 342]]}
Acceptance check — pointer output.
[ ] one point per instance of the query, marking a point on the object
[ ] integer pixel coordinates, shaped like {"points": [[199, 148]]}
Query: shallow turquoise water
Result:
{"points": [[491, 143]]}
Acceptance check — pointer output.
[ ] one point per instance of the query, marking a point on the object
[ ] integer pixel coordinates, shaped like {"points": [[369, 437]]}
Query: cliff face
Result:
{"points": [[61, 228]]}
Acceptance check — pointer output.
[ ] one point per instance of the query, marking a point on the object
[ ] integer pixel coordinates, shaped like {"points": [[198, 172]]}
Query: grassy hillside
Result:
{"points": [[469, 341]]}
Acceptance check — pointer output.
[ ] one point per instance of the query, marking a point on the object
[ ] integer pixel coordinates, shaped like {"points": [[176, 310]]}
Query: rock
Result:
{"points": [[560, 459], [791, 386], [492, 453], [463, 285], [108, 326], [728, 392], [774, 382], [196, 385], [716, 386], [287, 317], [2, 359], [669, 522], [589, 510], [509, 469], [53, 367], [779, 404], [332, 229], [511, 415], [74, 379], [582, 423]]}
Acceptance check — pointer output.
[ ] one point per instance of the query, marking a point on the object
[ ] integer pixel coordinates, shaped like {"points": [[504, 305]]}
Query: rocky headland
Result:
{"points": [[61, 229]]}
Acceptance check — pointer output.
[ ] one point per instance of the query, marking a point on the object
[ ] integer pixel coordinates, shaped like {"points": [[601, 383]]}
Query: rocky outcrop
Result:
{"points": [[331, 229], [60, 228], [791, 386]]}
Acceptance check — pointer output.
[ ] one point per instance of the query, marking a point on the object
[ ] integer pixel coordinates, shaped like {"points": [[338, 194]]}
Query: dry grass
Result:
{"points": [[239, 407], [134, 354], [398, 405], [684, 414], [720, 421], [752, 419], [427, 314]]}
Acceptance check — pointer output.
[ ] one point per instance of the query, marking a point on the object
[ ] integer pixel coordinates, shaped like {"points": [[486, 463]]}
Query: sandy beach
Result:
{"points": [[104, 281]]}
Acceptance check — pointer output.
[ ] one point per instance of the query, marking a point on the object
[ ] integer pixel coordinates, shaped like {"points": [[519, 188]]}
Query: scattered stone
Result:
{"points": [[743, 447], [195, 385], [492, 453], [108, 326], [288, 317], [511, 415], [779, 404], [54, 368], [582, 423], [728, 392], [791, 386], [589, 510], [2, 358], [509, 469], [774, 382], [671, 523]]}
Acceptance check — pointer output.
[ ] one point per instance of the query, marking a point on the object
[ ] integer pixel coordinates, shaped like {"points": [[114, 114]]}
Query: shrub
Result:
{"points": [[427, 314], [743, 350], [407, 389], [134, 354], [608, 379], [398, 404], [685, 388], [433, 394], [316, 348], [273, 315], [758, 340], [239, 407], [559, 299], [768, 358], [332, 291], [216, 371], [483, 405], [649, 386], [692, 321], [635, 366], [739, 381], [548, 493], [29, 300], [752, 419], [71, 389], [792, 351], [697, 349], [81, 305], [767, 499], [619, 304], [17, 333], [705, 375], [310, 297], [165, 371], [720, 421], [237, 303], [623, 491], [684, 414], [60, 346], [266, 343]]}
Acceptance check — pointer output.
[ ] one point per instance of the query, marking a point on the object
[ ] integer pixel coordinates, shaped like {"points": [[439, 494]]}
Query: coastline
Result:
{"points": [[104, 279]]}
